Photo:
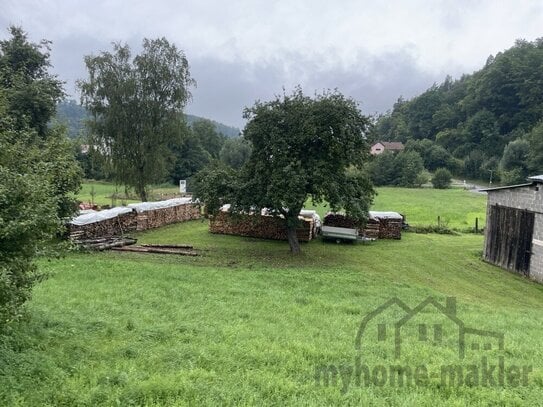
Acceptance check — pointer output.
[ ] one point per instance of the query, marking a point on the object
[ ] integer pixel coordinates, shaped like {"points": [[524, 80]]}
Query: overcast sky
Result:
{"points": [[241, 50]]}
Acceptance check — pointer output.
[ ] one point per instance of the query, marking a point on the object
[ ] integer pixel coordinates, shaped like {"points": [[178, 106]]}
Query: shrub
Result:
{"points": [[423, 177], [442, 179]]}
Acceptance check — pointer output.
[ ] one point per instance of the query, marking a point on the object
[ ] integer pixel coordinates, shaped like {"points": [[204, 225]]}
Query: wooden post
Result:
{"points": [[438, 221], [476, 225]]}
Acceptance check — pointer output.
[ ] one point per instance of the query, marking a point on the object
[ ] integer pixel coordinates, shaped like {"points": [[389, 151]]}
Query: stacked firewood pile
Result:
{"points": [[380, 225], [372, 229], [388, 228], [114, 226], [341, 221], [156, 218], [118, 221], [265, 227]]}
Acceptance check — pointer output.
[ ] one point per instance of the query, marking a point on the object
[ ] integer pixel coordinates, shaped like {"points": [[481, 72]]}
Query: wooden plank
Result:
{"points": [[140, 249], [169, 246]]}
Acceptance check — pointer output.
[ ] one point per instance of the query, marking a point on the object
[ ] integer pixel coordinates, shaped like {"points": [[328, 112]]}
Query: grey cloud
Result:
{"points": [[225, 88]]}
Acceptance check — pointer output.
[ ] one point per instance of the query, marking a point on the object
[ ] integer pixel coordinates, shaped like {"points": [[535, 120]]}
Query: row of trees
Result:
{"points": [[406, 169], [38, 172], [138, 134], [488, 121], [198, 145]]}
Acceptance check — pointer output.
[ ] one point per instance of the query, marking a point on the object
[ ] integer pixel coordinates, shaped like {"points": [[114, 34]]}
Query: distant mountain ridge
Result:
{"points": [[72, 114]]}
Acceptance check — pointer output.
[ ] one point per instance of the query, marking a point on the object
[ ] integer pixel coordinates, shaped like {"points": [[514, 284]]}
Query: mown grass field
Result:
{"points": [[247, 324], [457, 208]]}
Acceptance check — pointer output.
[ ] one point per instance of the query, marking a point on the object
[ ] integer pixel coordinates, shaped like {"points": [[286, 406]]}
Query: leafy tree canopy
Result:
{"points": [[137, 104], [30, 91], [305, 147]]}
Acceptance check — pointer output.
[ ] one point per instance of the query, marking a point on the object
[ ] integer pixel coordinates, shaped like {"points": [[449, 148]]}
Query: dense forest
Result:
{"points": [[483, 124]]}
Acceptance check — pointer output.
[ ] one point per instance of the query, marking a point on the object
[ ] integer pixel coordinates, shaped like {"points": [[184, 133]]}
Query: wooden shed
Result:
{"points": [[514, 228]]}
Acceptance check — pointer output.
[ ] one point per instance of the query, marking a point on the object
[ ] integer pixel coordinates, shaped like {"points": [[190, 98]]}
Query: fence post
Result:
{"points": [[476, 225], [438, 221]]}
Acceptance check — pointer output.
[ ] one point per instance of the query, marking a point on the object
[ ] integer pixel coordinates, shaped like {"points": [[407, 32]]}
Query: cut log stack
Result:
{"points": [[118, 221], [259, 226], [380, 225], [372, 229], [390, 228], [341, 221], [156, 218], [115, 226], [390, 224]]}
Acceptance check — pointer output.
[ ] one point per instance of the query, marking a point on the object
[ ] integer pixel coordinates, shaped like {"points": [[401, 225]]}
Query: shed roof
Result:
{"points": [[393, 145], [536, 179]]}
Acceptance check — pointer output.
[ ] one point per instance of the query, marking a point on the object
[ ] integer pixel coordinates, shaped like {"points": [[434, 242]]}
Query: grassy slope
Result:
{"points": [[247, 324]]}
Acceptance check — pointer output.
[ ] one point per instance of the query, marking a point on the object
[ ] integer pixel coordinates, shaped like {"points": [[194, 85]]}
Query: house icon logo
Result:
{"points": [[397, 345], [378, 325]]}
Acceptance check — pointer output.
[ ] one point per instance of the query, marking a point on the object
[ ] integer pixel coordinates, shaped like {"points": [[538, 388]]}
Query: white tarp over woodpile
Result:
{"points": [[94, 217], [385, 215], [151, 206]]}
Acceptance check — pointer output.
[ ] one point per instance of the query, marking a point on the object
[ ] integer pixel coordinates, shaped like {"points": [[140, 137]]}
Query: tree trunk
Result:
{"points": [[142, 192], [293, 240], [143, 195]]}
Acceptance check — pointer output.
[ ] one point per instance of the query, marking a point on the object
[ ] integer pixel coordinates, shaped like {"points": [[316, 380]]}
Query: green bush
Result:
{"points": [[442, 179], [38, 172]]}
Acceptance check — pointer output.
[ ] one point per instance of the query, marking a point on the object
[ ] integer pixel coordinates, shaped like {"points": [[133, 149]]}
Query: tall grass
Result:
{"points": [[247, 324]]}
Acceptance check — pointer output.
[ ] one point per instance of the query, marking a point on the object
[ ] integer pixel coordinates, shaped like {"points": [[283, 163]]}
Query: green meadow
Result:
{"points": [[246, 323], [106, 193], [455, 207]]}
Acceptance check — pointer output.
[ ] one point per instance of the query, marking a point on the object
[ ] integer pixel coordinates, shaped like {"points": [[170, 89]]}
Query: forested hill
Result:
{"points": [[489, 120], [73, 115], [228, 131]]}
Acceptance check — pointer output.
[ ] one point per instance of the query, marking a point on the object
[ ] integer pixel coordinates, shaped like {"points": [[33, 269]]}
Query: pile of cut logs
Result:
{"points": [[265, 227], [104, 243], [340, 221], [133, 220], [117, 226], [376, 227], [387, 228], [372, 229], [156, 218]]}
